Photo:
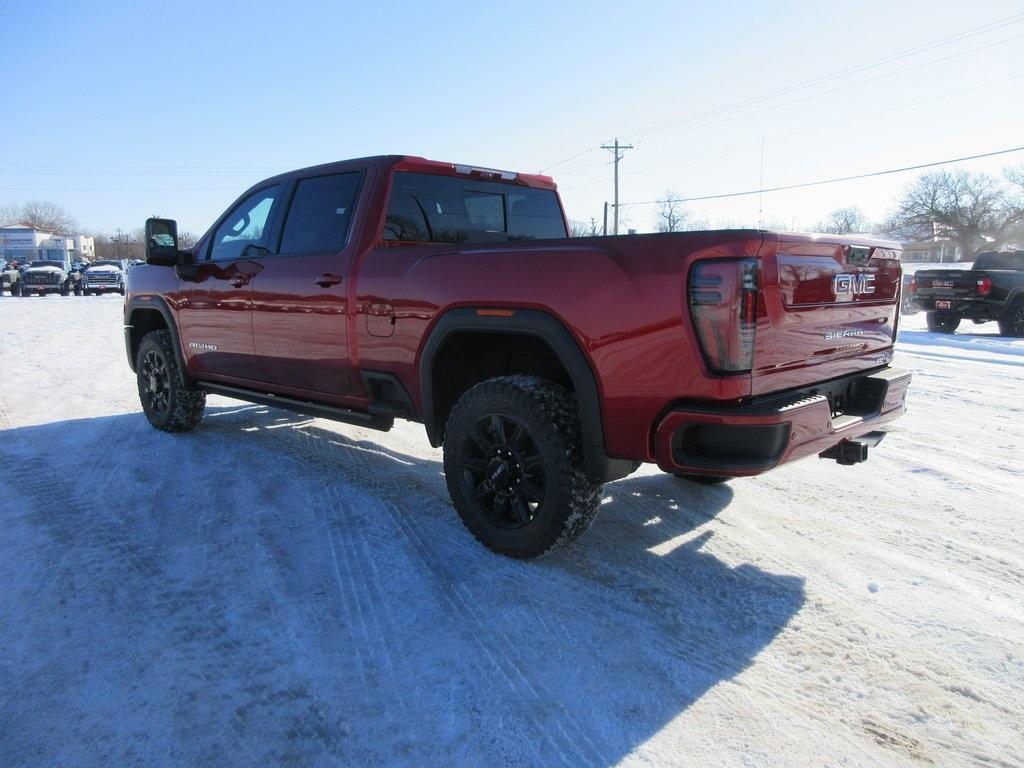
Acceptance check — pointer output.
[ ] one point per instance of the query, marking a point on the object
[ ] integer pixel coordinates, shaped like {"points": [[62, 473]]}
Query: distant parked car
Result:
{"points": [[10, 278], [105, 276]]}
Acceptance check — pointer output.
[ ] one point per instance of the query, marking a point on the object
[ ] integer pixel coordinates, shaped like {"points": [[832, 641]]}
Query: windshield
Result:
{"points": [[1011, 260], [106, 264], [47, 263]]}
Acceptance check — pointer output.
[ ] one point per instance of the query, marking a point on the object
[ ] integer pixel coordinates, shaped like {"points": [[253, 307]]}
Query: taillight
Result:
{"points": [[984, 286], [724, 304], [913, 285]]}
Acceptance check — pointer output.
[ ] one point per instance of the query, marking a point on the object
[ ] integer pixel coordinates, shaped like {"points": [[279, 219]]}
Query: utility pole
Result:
{"points": [[617, 150], [605, 230]]}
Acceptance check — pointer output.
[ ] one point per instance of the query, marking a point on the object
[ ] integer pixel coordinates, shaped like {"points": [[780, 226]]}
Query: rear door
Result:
{"points": [[215, 316], [830, 309], [300, 301]]}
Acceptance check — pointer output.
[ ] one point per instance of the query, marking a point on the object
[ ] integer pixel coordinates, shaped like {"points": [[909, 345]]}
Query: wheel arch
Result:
{"points": [[543, 328], [151, 314]]}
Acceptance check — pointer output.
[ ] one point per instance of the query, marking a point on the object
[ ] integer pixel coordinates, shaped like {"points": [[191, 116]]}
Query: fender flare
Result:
{"points": [[600, 467], [1014, 295], [159, 304]]}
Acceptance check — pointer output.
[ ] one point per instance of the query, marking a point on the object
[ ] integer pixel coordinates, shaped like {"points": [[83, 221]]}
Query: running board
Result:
{"points": [[321, 410]]}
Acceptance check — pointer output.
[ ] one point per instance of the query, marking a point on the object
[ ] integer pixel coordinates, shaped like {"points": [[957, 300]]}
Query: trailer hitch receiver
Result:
{"points": [[853, 450]]}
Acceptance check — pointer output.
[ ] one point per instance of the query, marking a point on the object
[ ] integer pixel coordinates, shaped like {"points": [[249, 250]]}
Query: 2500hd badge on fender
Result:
{"points": [[397, 287]]}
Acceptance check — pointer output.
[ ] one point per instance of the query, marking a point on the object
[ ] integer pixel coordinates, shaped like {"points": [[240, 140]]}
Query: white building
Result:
{"points": [[24, 243], [938, 250]]}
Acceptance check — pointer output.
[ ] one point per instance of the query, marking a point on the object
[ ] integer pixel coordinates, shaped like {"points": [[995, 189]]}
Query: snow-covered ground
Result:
{"points": [[275, 590]]}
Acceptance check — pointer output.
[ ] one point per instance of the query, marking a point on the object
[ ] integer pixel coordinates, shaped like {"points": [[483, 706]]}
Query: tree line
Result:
{"points": [[975, 210], [51, 217]]}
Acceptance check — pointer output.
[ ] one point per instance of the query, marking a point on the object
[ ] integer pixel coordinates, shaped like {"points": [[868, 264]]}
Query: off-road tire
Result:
{"points": [[1012, 321], [65, 289], [121, 290], [704, 479], [176, 409], [942, 322], [549, 416]]}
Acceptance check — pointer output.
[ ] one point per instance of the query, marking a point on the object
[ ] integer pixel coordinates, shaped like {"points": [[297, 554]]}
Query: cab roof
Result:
{"points": [[416, 164]]}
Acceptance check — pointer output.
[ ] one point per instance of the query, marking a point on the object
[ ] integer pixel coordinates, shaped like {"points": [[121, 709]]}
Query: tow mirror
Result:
{"points": [[162, 242]]}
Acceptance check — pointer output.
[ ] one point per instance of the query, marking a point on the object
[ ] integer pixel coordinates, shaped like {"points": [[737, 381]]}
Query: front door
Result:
{"points": [[300, 299], [215, 315]]}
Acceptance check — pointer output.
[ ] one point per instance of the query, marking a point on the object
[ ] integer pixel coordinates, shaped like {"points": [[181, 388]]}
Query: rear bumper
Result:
{"points": [[979, 309], [776, 429]]}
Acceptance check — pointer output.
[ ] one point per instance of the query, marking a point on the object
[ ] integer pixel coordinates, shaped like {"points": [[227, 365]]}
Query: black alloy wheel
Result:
{"points": [[1012, 323], [503, 471], [155, 379]]}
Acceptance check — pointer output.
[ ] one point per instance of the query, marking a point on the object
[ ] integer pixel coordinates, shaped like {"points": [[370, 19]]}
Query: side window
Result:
{"points": [[246, 225], [320, 212]]}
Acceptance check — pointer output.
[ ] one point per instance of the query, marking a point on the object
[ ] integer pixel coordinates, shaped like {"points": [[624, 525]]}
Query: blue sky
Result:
{"points": [[120, 110]]}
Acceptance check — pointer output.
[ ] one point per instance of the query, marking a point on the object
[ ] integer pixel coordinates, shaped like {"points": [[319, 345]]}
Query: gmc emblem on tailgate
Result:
{"points": [[852, 285]]}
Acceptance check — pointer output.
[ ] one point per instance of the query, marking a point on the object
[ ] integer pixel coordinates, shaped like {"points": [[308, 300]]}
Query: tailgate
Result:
{"points": [[830, 309], [947, 283]]}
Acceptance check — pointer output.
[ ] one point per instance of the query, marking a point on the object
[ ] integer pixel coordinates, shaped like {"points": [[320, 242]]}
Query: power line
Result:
{"points": [[837, 89], [804, 131], [812, 96], [920, 48], [831, 181]]}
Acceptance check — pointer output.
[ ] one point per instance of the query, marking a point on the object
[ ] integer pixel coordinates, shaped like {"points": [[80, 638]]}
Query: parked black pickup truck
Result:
{"points": [[993, 289]]}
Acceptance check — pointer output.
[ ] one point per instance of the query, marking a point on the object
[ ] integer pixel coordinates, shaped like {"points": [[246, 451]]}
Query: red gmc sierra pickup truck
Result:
{"points": [[397, 287]]}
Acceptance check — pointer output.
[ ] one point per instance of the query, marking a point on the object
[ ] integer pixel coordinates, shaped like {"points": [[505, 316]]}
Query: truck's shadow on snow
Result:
{"points": [[265, 590]]}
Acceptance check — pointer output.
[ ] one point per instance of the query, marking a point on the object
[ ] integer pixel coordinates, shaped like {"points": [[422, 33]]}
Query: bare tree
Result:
{"points": [[40, 214], [186, 240], [10, 213], [126, 245], [670, 216], [974, 208], [584, 228], [842, 221], [43, 214]]}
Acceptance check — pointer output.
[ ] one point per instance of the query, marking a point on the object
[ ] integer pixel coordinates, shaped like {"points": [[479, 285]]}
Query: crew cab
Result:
{"points": [[401, 288], [993, 289]]}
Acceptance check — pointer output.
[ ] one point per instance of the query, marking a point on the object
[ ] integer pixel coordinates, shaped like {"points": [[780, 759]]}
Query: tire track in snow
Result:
{"points": [[502, 657]]}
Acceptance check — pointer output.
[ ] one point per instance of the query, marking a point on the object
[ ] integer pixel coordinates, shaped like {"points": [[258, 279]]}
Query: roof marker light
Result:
{"points": [[493, 172]]}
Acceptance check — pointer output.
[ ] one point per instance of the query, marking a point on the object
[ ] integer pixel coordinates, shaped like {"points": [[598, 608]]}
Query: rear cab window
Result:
{"points": [[443, 209], [1000, 260]]}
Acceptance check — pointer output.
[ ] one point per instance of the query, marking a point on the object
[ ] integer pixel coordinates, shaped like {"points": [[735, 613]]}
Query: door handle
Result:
{"points": [[325, 281], [239, 280]]}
